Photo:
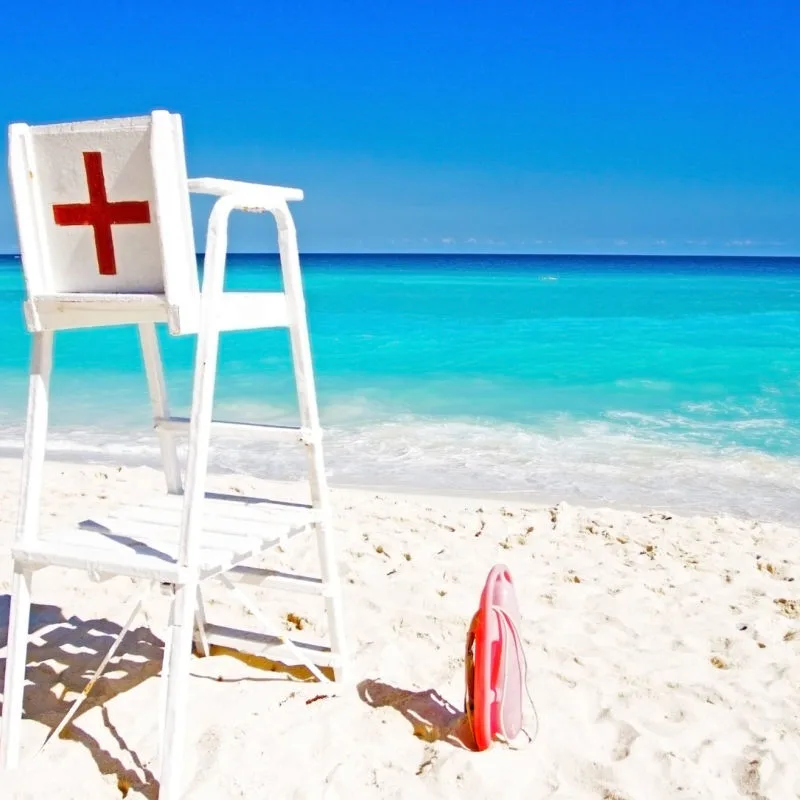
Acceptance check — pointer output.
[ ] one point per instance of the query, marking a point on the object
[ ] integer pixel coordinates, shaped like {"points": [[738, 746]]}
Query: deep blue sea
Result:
{"points": [[646, 382]]}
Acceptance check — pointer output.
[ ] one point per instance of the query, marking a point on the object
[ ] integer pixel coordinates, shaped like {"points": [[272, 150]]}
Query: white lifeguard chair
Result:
{"points": [[105, 234]]}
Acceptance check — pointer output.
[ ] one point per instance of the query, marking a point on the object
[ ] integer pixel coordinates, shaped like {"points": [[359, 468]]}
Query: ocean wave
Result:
{"points": [[581, 462]]}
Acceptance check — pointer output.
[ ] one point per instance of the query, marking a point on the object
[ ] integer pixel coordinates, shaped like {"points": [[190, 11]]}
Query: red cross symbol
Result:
{"points": [[101, 214]]}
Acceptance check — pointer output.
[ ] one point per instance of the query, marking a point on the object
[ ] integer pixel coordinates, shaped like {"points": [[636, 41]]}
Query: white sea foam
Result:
{"points": [[595, 463]]}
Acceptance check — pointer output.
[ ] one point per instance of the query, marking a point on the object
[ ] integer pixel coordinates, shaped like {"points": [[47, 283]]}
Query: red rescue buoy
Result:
{"points": [[495, 663]]}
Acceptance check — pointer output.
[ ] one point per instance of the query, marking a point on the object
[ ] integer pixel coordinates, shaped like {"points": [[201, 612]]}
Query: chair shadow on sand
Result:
{"points": [[77, 646], [432, 718]]}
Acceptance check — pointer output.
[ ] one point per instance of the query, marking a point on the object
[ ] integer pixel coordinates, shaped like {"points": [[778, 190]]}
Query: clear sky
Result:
{"points": [[451, 125]]}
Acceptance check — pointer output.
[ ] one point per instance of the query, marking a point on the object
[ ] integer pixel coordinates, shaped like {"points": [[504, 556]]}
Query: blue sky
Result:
{"points": [[552, 126]]}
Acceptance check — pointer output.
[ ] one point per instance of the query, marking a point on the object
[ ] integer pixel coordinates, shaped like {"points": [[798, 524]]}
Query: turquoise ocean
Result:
{"points": [[642, 382]]}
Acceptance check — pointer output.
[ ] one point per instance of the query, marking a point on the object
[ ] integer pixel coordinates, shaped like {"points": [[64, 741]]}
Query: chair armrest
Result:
{"points": [[243, 196], [221, 187]]}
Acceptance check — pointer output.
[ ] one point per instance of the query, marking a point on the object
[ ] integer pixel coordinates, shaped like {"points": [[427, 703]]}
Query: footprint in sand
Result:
{"points": [[747, 776], [627, 735]]}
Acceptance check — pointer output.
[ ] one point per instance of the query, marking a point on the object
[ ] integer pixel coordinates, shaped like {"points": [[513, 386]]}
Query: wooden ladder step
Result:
{"points": [[254, 642], [275, 433], [276, 580]]}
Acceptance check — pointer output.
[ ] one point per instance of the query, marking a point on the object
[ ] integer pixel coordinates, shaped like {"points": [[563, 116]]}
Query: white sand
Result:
{"points": [[664, 659]]}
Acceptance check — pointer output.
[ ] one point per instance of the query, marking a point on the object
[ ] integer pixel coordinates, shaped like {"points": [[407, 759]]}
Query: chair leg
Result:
{"points": [[178, 655], [164, 685], [309, 420], [200, 638], [35, 445], [33, 458], [16, 660], [157, 386], [182, 615], [333, 603]]}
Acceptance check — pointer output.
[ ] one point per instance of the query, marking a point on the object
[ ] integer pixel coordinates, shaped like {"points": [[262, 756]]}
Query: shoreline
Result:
{"points": [[539, 498], [745, 485]]}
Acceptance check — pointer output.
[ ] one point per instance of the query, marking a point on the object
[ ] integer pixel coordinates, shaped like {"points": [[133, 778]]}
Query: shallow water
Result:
{"points": [[666, 382]]}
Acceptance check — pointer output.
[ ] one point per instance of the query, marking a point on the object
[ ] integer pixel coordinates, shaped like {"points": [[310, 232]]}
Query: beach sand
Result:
{"points": [[664, 658]]}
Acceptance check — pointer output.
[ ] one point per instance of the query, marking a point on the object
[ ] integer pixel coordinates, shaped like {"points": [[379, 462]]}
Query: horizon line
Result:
{"points": [[495, 254]]}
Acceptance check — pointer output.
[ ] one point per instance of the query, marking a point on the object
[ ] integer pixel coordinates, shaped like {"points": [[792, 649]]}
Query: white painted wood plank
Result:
{"points": [[274, 433], [309, 419], [241, 311], [100, 300], [222, 186], [102, 556], [35, 442], [144, 541], [254, 641], [217, 531], [237, 311], [278, 581], [96, 562], [64, 312], [157, 387], [172, 210], [179, 653], [16, 659]]}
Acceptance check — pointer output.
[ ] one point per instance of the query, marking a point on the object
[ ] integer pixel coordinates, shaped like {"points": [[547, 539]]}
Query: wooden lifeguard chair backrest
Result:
{"points": [[102, 208]]}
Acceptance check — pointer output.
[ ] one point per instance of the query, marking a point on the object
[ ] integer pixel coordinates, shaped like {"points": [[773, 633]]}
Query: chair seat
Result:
{"points": [[141, 541], [234, 311]]}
